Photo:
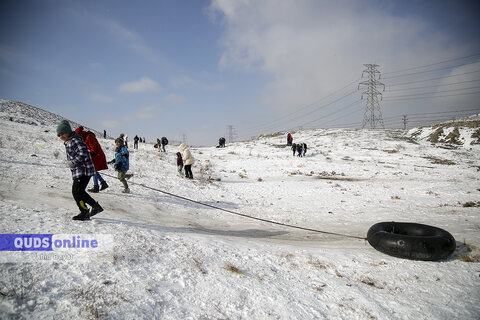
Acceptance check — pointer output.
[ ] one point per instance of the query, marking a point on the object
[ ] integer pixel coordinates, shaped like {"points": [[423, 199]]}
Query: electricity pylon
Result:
{"points": [[231, 134], [373, 114]]}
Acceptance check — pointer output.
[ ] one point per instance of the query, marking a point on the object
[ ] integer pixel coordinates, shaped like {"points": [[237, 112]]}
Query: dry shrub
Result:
{"points": [[230, 267], [471, 204], [468, 253]]}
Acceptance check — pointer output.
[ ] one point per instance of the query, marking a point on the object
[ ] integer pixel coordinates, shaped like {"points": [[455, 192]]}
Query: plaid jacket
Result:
{"points": [[78, 154]]}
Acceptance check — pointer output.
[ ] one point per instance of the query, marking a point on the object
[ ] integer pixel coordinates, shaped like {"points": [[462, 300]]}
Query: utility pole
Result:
{"points": [[184, 139], [373, 114], [231, 133]]}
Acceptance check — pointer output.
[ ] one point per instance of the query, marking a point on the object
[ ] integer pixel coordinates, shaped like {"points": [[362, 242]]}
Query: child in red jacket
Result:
{"points": [[98, 158]]}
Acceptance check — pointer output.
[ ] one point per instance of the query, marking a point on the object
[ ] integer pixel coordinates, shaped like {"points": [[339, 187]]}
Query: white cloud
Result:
{"points": [[133, 40], [310, 48], [144, 84]]}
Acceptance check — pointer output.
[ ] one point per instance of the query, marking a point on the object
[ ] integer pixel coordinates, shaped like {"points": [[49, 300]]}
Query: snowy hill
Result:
{"points": [[23, 113], [176, 259], [453, 134]]}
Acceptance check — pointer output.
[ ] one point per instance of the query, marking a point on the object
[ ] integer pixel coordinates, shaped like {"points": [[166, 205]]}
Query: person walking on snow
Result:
{"points": [[121, 163], [82, 168], [179, 163], [164, 143], [304, 149], [289, 139], [188, 160], [135, 142], [98, 158]]}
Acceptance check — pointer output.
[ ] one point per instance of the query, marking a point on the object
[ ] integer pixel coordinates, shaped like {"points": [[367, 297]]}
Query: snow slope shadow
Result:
{"points": [[196, 228]]}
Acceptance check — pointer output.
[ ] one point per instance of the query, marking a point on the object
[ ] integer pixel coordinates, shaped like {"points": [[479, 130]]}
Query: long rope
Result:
{"points": [[204, 204], [241, 214]]}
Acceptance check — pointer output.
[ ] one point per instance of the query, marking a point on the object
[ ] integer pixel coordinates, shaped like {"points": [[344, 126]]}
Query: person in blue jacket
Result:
{"points": [[121, 163]]}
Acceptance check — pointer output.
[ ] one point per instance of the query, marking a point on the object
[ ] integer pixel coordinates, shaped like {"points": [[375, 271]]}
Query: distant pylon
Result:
{"points": [[373, 114], [231, 133]]}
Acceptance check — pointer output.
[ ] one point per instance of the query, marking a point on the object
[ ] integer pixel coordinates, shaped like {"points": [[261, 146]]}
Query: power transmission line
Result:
{"points": [[433, 92], [435, 86], [430, 97], [373, 114], [425, 80], [433, 70], [332, 113], [287, 117], [432, 64], [307, 111]]}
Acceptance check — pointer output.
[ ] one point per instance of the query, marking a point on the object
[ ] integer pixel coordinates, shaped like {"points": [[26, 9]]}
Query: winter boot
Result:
{"points": [[127, 190], [83, 215], [95, 189], [104, 186], [97, 208]]}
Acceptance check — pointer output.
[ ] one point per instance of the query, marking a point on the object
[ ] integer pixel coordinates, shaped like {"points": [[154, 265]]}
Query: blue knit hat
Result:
{"points": [[64, 127]]}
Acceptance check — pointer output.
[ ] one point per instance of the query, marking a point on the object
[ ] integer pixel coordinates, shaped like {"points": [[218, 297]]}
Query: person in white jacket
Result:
{"points": [[188, 160]]}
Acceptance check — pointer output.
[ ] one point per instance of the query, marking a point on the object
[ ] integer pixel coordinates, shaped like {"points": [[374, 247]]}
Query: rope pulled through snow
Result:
{"points": [[242, 214]]}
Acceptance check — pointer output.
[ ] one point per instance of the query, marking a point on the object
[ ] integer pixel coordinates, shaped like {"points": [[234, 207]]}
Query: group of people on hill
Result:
{"points": [[299, 148], [86, 159], [161, 144], [135, 141]]}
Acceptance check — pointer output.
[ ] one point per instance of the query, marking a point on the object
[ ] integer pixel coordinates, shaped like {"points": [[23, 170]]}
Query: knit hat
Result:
{"points": [[64, 127], [119, 140]]}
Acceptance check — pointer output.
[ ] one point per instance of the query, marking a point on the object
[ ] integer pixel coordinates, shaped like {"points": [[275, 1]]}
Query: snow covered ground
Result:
{"points": [[174, 259]]}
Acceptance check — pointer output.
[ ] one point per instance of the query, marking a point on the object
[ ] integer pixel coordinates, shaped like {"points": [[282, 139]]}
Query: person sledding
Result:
{"points": [[98, 158], [81, 165], [121, 163]]}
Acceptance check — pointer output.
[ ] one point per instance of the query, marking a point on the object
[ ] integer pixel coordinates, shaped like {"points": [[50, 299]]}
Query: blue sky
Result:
{"points": [[191, 67]]}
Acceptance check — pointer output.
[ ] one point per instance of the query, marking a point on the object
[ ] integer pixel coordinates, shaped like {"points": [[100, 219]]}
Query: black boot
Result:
{"points": [[97, 208], [84, 215], [95, 189], [104, 186]]}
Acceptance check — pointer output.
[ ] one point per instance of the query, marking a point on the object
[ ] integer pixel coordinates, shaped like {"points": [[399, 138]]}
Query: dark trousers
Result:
{"points": [[188, 171], [80, 195]]}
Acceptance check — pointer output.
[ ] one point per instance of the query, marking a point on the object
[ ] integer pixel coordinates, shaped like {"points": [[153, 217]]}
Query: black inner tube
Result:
{"points": [[411, 240]]}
